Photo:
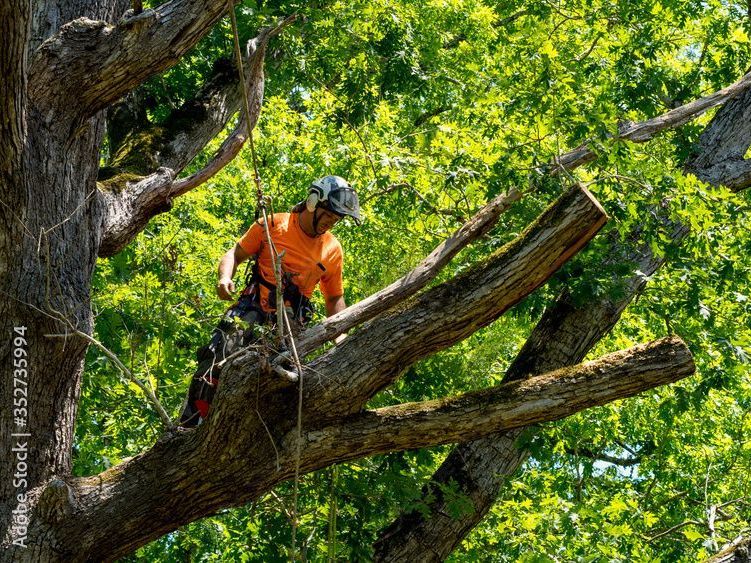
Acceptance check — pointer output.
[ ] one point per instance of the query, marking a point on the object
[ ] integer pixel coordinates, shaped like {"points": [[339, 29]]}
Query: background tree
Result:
{"points": [[433, 111]]}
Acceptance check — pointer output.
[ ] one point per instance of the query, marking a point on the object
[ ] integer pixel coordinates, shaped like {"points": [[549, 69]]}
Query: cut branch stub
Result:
{"points": [[375, 356], [409, 284]]}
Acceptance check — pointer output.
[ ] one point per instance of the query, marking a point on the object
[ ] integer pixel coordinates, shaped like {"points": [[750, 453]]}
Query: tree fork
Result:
{"points": [[139, 487]]}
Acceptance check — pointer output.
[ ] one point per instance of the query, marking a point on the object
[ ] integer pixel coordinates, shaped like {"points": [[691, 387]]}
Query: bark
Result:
{"points": [[551, 396], [125, 119], [90, 63], [51, 220], [739, 551], [563, 336], [15, 17], [140, 147], [719, 158]]}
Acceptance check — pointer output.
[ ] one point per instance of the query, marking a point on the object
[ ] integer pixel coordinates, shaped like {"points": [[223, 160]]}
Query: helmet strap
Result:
{"points": [[316, 219]]}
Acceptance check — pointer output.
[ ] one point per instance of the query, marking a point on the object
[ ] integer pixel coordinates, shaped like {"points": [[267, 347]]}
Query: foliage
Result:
{"points": [[430, 109]]}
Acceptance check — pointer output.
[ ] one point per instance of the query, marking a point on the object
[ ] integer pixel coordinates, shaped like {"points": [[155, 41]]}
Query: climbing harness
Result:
{"points": [[293, 298]]}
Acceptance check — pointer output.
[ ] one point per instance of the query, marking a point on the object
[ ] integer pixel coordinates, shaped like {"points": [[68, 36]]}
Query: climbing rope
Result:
{"points": [[276, 260]]}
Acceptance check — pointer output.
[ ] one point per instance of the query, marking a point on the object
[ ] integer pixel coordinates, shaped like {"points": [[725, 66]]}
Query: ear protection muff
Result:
{"points": [[316, 194]]}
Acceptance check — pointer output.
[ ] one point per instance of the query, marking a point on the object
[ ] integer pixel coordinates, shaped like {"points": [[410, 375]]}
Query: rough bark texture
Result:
{"points": [[563, 336], [551, 396], [52, 216], [137, 146], [720, 155], [49, 247], [14, 23], [91, 62], [738, 551]]}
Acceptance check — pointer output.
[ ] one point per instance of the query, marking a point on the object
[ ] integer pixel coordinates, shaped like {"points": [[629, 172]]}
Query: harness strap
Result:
{"points": [[301, 304]]}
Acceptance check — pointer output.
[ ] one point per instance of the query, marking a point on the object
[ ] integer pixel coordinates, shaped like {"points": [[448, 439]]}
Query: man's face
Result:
{"points": [[326, 220]]}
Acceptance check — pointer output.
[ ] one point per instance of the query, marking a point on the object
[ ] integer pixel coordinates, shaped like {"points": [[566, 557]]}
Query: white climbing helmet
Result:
{"points": [[336, 195]]}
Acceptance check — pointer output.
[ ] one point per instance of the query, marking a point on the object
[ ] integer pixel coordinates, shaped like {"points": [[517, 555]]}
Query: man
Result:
{"points": [[312, 256]]}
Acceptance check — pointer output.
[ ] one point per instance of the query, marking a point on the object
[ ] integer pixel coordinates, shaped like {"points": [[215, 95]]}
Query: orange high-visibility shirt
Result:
{"points": [[308, 260]]}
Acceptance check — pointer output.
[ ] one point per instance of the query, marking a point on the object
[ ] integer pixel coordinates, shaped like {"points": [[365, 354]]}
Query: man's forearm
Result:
{"points": [[335, 304], [227, 266]]}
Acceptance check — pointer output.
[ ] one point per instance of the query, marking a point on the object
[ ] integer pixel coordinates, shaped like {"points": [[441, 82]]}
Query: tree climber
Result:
{"points": [[312, 255]]}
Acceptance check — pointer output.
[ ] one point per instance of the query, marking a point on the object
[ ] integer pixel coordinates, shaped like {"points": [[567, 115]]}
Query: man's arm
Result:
{"points": [[227, 268], [334, 304]]}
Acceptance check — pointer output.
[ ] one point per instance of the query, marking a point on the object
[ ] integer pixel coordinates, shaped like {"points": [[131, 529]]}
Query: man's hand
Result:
{"points": [[225, 288]]}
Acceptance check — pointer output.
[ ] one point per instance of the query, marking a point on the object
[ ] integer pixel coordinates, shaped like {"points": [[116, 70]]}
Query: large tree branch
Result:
{"points": [[123, 500], [486, 218], [547, 397], [564, 335], [141, 147], [94, 63]]}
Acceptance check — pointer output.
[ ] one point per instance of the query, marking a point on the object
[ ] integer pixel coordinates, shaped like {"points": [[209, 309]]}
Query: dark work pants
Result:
{"points": [[228, 337]]}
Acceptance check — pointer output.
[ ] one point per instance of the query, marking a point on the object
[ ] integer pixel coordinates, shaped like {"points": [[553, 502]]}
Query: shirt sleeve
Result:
{"points": [[252, 240], [331, 281]]}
